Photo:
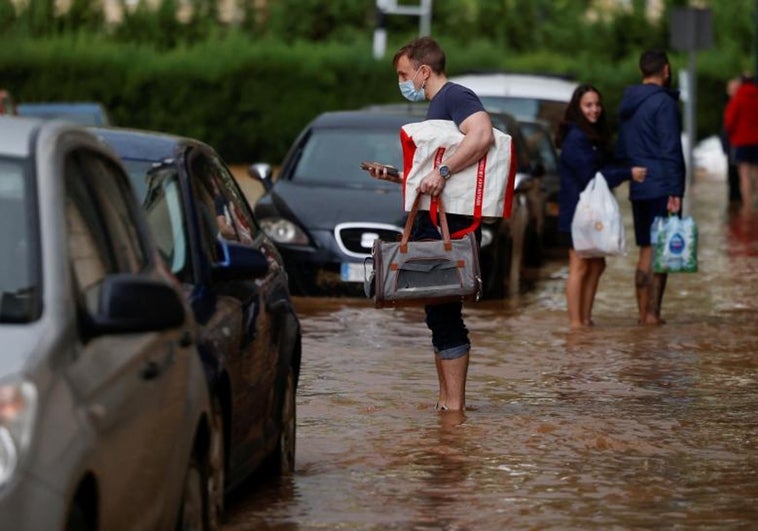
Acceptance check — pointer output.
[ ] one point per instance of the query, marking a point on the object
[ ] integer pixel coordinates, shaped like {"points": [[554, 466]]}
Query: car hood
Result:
{"points": [[320, 207]]}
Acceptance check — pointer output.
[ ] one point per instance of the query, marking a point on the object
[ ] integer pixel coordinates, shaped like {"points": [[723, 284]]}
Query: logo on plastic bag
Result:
{"points": [[676, 244]]}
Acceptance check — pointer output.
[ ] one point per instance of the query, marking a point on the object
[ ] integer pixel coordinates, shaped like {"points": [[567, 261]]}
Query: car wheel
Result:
{"points": [[216, 467], [495, 272], [281, 461], [77, 519], [194, 509], [302, 280], [533, 246]]}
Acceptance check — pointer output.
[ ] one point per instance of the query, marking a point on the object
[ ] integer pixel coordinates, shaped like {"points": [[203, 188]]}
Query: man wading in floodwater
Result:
{"points": [[420, 67]]}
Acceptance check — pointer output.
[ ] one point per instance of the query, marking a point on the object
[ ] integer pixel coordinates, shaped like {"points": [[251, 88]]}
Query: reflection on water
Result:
{"points": [[618, 426]]}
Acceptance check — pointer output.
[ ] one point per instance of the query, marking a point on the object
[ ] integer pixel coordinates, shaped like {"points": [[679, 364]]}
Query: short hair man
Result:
{"points": [[650, 136], [420, 68]]}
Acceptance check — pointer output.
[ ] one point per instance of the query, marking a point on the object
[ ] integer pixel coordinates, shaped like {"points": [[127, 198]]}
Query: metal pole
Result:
{"points": [[425, 18], [691, 126], [380, 34]]}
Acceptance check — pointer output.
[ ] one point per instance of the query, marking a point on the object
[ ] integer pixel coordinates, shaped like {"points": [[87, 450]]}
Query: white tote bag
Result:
{"points": [[483, 190], [598, 228]]}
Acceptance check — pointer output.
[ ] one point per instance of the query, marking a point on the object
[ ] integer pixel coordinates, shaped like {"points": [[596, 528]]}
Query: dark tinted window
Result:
{"points": [[19, 251], [540, 146]]}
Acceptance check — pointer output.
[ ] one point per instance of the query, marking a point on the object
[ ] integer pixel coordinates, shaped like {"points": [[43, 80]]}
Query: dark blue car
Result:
{"points": [[232, 274]]}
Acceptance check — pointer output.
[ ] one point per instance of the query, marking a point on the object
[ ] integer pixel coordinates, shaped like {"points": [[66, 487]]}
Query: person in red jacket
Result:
{"points": [[741, 124]]}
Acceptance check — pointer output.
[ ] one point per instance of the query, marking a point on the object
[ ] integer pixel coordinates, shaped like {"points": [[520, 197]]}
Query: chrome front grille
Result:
{"points": [[357, 239]]}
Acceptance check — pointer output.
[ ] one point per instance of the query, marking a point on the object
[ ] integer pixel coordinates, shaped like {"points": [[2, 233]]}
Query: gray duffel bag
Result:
{"points": [[413, 273]]}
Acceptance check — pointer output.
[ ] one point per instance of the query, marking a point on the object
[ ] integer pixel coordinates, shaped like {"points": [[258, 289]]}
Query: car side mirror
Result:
{"points": [[239, 262], [135, 303], [260, 171]]}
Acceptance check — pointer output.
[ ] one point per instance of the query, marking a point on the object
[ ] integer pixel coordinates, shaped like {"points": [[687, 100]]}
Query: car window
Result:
{"points": [[119, 211], [546, 110], [214, 216], [334, 155], [19, 286], [90, 255], [541, 146], [165, 216], [238, 210], [510, 126]]}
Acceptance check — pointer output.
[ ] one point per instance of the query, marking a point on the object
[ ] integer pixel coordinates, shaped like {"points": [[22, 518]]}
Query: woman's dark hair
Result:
{"points": [[598, 132]]}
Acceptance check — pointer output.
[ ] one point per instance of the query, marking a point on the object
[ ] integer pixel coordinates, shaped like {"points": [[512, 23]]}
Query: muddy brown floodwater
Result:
{"points": [[614, 427]]}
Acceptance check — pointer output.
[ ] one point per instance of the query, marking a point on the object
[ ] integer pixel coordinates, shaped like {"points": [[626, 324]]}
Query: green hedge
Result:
{"points": [[249, 99]]}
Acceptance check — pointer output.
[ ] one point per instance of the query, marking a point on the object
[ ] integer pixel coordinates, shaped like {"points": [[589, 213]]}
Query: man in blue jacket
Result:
{"points": [[650, 135]]}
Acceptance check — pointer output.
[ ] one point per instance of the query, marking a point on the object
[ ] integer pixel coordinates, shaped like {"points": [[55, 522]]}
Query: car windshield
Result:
{"points": [[19, 263], [157, 188], [334, 156], [545, 110]]}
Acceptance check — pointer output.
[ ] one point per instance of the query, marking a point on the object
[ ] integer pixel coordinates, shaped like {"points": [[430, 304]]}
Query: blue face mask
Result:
{"points": [[410, 92]]}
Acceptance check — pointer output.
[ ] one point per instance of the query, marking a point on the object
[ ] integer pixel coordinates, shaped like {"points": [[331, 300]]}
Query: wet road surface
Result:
{"points": [[614, 427]]}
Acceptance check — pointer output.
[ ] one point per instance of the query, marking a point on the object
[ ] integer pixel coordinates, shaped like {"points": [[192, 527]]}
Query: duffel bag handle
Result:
{"points": [[412, 216]]}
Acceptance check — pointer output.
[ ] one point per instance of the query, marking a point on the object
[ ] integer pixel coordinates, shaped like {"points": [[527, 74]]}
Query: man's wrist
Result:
{"points": [[445, 172]]}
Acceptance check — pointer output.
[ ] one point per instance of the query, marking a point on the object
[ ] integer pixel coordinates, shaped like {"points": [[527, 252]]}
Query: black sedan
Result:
{"points": [[249, 336], [324, 212]]}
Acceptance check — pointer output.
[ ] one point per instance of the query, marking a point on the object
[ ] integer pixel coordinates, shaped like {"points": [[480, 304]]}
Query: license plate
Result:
{"points": [[355, 272]]}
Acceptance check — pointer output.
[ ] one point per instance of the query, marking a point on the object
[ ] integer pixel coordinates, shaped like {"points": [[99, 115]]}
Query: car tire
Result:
{"points": [[77, 519], [281, 461], [302, 280], [496, 275], [216, 467], [193, 512]]}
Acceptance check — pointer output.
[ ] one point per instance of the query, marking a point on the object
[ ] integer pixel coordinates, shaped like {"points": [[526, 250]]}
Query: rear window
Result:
{"points": [[545, 110], [19, 265], [334, 156]]}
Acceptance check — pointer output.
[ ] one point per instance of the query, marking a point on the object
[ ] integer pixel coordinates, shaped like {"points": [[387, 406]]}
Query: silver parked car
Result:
{"points": [[104, 406]]}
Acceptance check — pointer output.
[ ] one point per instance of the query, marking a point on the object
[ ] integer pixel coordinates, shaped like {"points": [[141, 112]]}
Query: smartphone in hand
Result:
{"points": [[391, 170]]}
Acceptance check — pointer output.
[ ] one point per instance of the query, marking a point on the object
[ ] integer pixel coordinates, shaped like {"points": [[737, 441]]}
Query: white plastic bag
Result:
{"points": [[598, 228]]}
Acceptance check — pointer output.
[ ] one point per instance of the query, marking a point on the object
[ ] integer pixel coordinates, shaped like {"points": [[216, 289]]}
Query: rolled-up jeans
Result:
{"points": [[445, 320]]}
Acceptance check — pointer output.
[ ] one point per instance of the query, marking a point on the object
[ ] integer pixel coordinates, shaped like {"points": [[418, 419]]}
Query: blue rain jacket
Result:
{"points": [[650, 135]]}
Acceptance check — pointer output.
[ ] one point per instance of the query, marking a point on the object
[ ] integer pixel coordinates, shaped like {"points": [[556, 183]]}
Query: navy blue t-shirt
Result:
{"points": [[453, 102]]}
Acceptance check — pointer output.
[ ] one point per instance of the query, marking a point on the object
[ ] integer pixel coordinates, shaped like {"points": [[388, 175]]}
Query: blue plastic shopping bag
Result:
{"points": [[674, 242]]}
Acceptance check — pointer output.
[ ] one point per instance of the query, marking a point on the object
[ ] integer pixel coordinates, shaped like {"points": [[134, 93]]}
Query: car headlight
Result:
{"points": [[283, 231], [18, 405]]}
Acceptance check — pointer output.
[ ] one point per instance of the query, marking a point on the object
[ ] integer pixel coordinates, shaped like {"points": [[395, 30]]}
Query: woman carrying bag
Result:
{"points": [[584, 139]]}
